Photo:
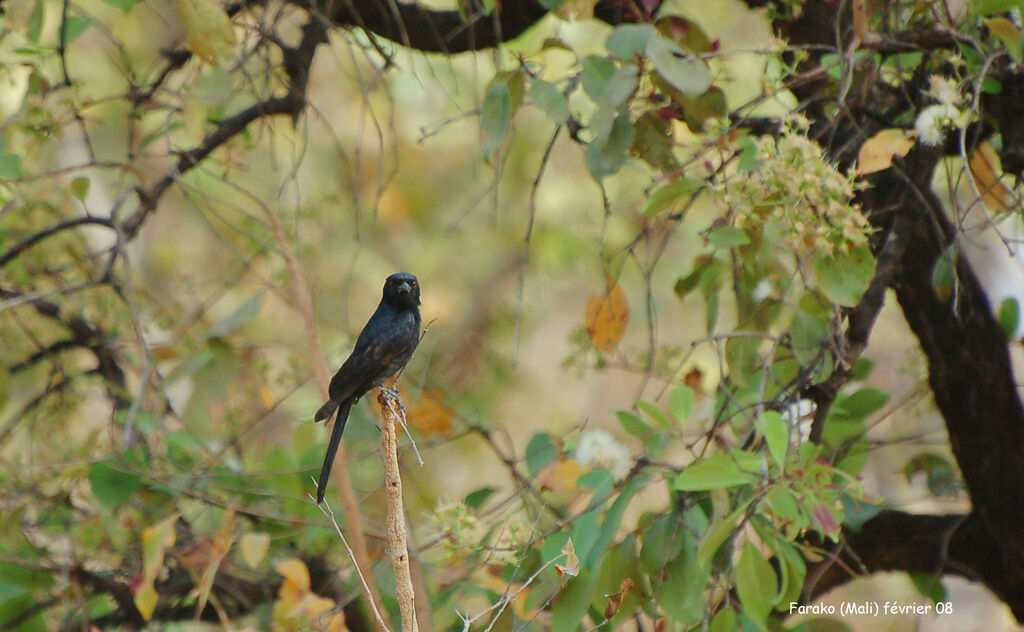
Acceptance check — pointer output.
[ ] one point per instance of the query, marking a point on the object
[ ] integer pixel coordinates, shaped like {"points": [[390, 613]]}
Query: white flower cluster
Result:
{"points": [[597, 448], [934, 120]]}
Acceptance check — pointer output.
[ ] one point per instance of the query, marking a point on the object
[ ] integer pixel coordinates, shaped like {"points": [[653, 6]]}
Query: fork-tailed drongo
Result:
{"points": [[383, 347]]}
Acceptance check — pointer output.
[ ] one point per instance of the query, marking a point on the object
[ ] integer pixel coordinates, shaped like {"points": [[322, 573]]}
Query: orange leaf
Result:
{"points": [[986, 169], [607, 317], [877, 152], [429, 415]]}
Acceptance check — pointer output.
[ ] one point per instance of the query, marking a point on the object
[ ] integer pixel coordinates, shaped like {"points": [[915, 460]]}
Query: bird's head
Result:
{"points": [[402, 290]]}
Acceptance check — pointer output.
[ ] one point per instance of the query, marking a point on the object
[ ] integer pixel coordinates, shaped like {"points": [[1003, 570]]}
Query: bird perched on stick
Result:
{"points": [[382, 349]]}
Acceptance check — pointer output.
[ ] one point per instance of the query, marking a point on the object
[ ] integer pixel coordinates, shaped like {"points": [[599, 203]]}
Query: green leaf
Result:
{"points": [[632, 424], [685, 580], [124, 5], [845, 277], [718, 534], [1009, 317], [111, 484], [930, 586], [687, 73], [939, 474], [1009, 34], [720, 469], [655, 413], [776, 435], [862, 403], [612, 519], [572, 601], [495, 116], [551, 5], [756, 583], [241, 316], [743, 358], [711, 315], [540, 452], [653, 143], [724, 621], [856, 512], [942, 273], [604, 159], [36, 21], [808, 332], [728, 237], [749, 155], [628, 41], [80, 188], [697, 110], [792, 568], [476, 499], [596, 73], [681, 402], [621, 85], [10, 166], [74, 26], [706, 274], [188, 367], [550, 99], [991, 7], [684, 32], [666, 195]]}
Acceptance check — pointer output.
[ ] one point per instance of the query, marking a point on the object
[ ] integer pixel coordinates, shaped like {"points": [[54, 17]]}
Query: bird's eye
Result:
{"points": [[412, 283]]}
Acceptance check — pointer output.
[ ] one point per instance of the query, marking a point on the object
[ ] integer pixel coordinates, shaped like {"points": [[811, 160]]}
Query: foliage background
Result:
{"points": [[200, 477]]}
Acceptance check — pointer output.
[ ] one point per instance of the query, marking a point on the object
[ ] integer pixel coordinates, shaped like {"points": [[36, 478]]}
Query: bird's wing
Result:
{"points": [[375, 350]]}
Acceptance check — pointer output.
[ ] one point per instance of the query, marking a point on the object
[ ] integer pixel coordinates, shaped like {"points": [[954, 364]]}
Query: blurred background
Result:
{"points": [[383, 172]]}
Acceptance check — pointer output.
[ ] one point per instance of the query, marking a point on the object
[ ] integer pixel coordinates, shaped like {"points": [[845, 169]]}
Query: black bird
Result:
{"points": [[383, 347]]}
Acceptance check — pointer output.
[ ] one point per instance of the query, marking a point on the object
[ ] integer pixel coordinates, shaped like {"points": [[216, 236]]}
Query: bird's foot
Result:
{"points": [[392, 392]]}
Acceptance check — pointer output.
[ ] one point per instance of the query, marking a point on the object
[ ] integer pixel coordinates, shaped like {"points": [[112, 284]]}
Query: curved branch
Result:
{"points": [[450, 32], [919, 544]]}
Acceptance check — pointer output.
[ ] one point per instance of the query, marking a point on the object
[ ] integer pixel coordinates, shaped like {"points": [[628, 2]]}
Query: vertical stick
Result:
{"points": [[397, 545]]}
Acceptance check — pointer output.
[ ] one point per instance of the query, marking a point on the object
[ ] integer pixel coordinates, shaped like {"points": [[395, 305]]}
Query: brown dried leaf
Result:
{"points": [[615, 600], [607, 317]]}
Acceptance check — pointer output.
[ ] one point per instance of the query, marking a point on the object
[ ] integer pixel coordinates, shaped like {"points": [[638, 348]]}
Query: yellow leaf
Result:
{"points": [[254, 548], [877, 152], [145, 600], [986, 169], [155, 541], [607, 317], [337, 623], [559, 476], [266, 397], [315, 606], [220, 547], [208, 29], [571, 565], [294, 571], [1008, 34]]}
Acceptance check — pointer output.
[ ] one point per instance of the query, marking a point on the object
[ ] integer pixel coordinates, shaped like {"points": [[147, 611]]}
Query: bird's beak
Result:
{"points": [[405, 287]]}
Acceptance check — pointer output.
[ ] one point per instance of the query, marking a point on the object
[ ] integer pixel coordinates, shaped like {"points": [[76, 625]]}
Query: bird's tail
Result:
{"points": [[332, 447], [326, 410]]}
